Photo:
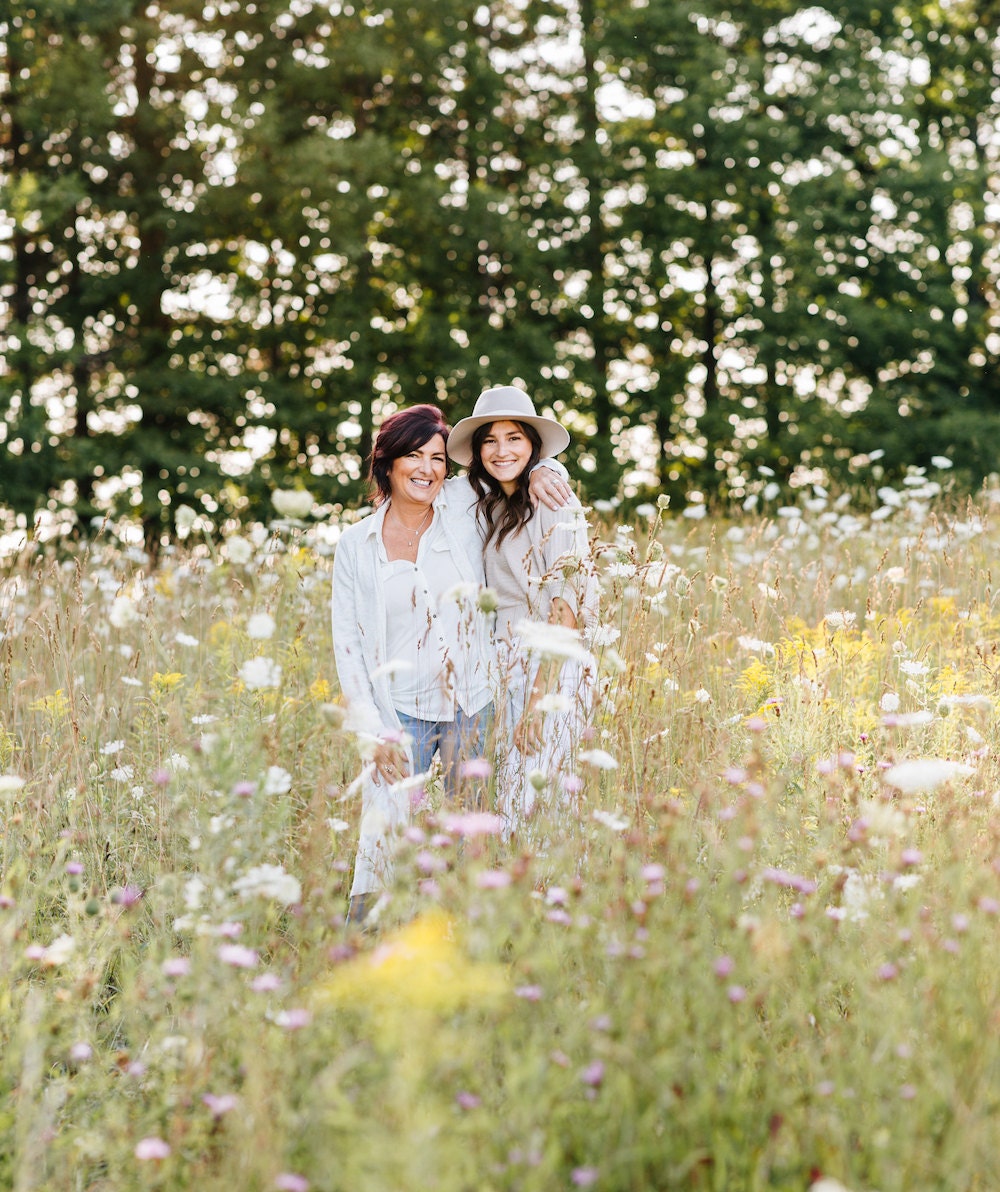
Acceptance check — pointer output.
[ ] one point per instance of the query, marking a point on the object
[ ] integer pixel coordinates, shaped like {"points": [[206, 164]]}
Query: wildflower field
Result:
{"points": [[759, 951]]}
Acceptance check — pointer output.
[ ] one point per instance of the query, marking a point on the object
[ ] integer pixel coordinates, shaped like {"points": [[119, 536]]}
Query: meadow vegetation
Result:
{"points": [[758, 950]]}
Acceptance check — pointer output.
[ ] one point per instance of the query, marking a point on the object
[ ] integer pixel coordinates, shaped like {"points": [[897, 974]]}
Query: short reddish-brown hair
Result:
{"points": [[401, 433]]}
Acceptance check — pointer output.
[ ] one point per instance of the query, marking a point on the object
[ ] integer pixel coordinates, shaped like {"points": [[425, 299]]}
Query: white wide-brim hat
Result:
{"points": [[505, 403]]}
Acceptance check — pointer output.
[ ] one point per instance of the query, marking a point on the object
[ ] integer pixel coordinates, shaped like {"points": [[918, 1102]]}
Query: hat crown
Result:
{"points": [[504, 400]]}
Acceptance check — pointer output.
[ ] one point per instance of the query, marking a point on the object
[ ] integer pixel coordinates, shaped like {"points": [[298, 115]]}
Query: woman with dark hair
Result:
{"points": [[537, 563], [411, 644]]}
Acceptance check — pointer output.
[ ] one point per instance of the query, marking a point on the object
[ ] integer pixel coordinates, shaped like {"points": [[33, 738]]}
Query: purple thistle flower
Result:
{"points": [[474, 823], [152, 1148], [593, 1074], [290, 1181], [237, 956], [724, 966], [219, 1105], [493, 879]]}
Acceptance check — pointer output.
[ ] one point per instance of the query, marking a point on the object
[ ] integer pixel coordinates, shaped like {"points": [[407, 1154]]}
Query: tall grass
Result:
{"points": [[758, 951]]}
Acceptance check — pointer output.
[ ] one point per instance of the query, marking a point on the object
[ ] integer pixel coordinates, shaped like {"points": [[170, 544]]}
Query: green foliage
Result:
{"points": [[709, 241]]}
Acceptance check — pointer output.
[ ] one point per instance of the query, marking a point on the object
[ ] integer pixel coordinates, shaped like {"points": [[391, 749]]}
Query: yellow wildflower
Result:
{"points": [[160, 684], [422, 966], [55, 705]]}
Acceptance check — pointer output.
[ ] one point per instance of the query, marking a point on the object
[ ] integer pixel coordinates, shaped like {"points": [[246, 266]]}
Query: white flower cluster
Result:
{"points": [[269, 881], [260, 673]]}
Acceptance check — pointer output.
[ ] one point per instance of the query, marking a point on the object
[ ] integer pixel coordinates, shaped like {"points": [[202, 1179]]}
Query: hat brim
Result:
{"points": [[555, 438]]}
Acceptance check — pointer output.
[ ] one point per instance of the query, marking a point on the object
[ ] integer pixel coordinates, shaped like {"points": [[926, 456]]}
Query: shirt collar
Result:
{"points": [[374, 525]]}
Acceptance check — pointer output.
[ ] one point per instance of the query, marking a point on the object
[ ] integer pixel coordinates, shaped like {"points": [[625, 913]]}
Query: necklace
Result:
{"points": [[416, 530]]}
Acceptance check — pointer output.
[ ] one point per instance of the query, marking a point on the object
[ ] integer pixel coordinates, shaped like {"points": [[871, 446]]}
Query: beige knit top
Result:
{"points": [[546, 558]]}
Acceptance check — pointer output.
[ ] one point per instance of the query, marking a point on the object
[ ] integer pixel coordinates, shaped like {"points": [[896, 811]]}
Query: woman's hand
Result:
{"points": [[528, 735], [548, 487], [390, 762]]}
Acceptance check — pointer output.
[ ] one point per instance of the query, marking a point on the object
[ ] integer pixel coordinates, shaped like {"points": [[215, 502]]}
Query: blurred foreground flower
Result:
{"points": [[152, 1148], [420, 967], [473, 823], [600, 759], [923, 775], [551, 641], [269, 881], [57, 953], [293, 502], [10, 784]]}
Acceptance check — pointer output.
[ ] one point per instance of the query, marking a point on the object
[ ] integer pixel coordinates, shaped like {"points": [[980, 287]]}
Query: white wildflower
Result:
{"points": [[194, 892], [184, 519], [461, 593], [889, 702], [58, 952], [701, 696], [923, 775], [857, 894], [616, 823], [981, 703], [942, 462], [909, 719], [551, 641], [840, 620], [261, 626], [910, 666], [884, 821], [599, 759], [10, 784], [293, 502], [123, 612], [605, 635], [754, 645], [258, 673], [277, 781], [185, 639], [238, 550], [269, 881]]}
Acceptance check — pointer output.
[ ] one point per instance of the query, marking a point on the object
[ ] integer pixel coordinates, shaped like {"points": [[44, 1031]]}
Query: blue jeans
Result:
{"points": [[454, 741]]}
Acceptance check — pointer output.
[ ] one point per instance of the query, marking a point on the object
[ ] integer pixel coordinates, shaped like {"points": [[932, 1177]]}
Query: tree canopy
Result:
{"points": [[711, 239]]}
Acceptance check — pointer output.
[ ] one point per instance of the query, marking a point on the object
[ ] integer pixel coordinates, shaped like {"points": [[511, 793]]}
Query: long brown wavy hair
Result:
{"points": [[502, 515]]}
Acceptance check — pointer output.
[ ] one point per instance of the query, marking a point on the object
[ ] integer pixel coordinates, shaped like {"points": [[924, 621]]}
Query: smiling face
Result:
{"points": [[416, 478], [505, 452]]}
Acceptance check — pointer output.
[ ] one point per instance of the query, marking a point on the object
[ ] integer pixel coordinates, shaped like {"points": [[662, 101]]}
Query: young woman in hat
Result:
{"points": [[537, 562]]}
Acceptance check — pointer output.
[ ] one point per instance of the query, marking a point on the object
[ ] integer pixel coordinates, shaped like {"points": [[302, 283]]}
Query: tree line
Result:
{"points": [[719, 242]]}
